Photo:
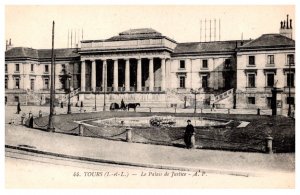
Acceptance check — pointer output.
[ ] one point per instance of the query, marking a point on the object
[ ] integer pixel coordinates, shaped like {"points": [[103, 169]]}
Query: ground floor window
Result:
{"points": [[16, 98], [251, 80], [46, 83], [182, 81], [290, 100], [251, 100], [6, 83], [270, 80], [204, 82], [290, 80], [17, 83], [269, 102]]}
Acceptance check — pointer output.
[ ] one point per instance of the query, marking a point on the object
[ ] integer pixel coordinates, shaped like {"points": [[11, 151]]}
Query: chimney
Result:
{"points": [[286, 28]]}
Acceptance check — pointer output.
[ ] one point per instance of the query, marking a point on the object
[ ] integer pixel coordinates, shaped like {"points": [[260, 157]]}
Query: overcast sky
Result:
{"points": [[30, 26]]}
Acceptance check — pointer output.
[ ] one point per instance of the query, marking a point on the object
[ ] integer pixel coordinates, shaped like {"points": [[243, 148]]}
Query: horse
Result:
{"points": [[132, 105]]}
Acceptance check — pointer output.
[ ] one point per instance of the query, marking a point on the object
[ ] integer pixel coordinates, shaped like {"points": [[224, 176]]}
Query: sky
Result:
{"points": [[30, 26]]}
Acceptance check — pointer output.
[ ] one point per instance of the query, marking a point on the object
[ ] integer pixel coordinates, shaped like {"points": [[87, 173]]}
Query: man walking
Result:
{"points": [[18, 108], [189, 131]]}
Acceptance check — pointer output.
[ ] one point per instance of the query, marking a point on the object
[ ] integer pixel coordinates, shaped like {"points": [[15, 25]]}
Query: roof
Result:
{"points": [[268, 41], [25, 52], [140, 33], [207, 47]]}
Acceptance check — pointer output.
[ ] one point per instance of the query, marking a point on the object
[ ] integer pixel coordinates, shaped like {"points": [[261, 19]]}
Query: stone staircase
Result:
{"points": [[223, 100]]}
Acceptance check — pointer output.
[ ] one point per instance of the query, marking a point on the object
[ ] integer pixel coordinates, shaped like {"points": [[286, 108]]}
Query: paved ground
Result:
{"points": [[263, 170]]}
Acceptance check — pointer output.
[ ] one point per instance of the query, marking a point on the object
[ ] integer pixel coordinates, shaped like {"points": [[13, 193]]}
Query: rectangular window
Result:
{"points": [[227, 63], [5, 67], [251, 100], [290, 100], [182, 82], [270, 80], [290, 59], [17, 67], [204, 82], [269, 102], [290, 80], [182, 64], [46, 68], [46, 83], [251, 80], [270, 59], [63, 69], [17, 83], [204, 64], [16, 98], [6, 83], [251, 60], [32, 68], [32, 84]]}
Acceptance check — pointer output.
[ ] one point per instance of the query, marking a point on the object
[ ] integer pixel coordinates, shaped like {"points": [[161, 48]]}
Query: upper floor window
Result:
{"points": [[204, 64], [270, 59], [251, 60], [182, 64], [5, 67], [46, 83], [32, 67], [46, 68], [251, 80], [290, 59], [17, 67]]}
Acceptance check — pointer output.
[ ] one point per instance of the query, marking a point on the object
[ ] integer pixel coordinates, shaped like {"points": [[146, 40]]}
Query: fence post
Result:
{"points": [[128, 134], [175, 109], [40, 113], [269, 141], [201, 110], [22, 119], [228, 111], [258, 111], [80, 127], [193, 140], [150, 109]]}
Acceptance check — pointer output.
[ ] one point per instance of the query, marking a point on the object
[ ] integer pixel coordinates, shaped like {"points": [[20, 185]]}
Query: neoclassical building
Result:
{"points": [[142, 65]]}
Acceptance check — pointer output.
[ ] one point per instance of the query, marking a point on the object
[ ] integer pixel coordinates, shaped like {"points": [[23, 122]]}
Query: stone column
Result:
{"points": [[93, 80], [104, 75], [116, 75], [82, 88], [127, 76], [163, 74], [151, 75], [139, 74]]}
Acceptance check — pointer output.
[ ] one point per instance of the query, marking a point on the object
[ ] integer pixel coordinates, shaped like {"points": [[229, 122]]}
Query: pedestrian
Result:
{"points": [[123, 107], [189, 131], [30, 120], [18, 108]]}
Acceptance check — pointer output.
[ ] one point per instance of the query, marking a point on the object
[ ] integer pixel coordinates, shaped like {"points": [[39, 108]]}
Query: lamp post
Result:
{"points": [[195, 92], [95, 100], [290, 82], [69, 99]]}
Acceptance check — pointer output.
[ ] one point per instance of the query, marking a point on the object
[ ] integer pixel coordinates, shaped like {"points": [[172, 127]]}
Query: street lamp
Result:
{"points": [[95, 93], [69, 76], [195, 92]]}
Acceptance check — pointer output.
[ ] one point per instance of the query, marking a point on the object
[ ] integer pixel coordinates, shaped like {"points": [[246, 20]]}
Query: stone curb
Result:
{"points": [[133, 164]]}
